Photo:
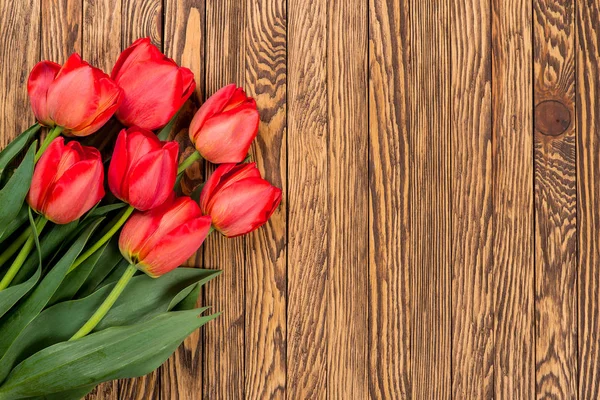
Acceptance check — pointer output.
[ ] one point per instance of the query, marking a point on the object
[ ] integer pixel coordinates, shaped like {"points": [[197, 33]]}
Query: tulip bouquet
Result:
{"points": [[90, 246]]}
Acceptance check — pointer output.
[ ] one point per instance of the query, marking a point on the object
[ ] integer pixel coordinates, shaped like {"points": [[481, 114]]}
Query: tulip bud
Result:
{"points": [[159, 240], [155, 86], [225, 126], [67, 181], [143, 169], [77, 97], [238, 199]]}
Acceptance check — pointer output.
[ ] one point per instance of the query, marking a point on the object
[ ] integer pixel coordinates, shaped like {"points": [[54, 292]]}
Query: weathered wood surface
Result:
{"points": [[439, 235]]}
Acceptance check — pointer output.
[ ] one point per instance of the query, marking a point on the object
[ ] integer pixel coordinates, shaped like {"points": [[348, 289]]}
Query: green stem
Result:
{"points": [[22, 256], [15, 245], [107, 236], [53, 134], [195, 156], [107, 304]]}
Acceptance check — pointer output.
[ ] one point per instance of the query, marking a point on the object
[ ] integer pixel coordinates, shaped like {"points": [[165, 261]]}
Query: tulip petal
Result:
{"points": [[244, 206], [111, 97], [211, 183], [188, 83], [75, 192], [138, 228], [176, 247], [226, 138], [73, 97], [140, 50], [117, 169], [40, 78], [224, 176], [44, 174], [178, 212], [152, 179], [150, 109], [213, 105]]}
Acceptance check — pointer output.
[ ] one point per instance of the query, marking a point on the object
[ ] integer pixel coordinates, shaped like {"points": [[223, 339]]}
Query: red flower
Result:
{"points": [[67, 181], [77, 97], [225, 126], [155, 86], [161, 239], [143, 169], [238, 199]]}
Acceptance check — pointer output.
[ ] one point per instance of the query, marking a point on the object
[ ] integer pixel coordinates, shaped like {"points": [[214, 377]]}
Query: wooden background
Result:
{"points": [[440, 160]]}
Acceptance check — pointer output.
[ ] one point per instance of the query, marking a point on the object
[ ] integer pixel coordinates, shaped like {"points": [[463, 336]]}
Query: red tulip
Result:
{"points": [[67, 182], [225, 126], [155, 86], [77, 97], [143, 169], [159, 240], [238, 199]]}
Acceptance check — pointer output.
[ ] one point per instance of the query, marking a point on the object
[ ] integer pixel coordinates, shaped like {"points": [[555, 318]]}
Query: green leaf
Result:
{"points": [[187, 299], [16, 223], [36, 236], [114, 353], [19, 317], [12, 294], [109, 259], [16, 146], [102, 211], [50, 242], [164, 132], [76, 278], [74, 394], [143, 298], [13, 194]]}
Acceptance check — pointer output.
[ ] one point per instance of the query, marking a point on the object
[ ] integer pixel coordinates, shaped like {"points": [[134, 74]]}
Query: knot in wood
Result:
{"points": [[552, 117]]}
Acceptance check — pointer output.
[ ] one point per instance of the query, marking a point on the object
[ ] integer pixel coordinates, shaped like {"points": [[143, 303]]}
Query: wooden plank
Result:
{"points": [[61, 29], [101, 46], [181, 376], [348, 173], [430, 189], [512, 126], [19, 52], [141, 18], [224, 338], [472, 202], [266, 263], [390, 302], [308, 216], [588, 194], [555, 199], [102, 35]]}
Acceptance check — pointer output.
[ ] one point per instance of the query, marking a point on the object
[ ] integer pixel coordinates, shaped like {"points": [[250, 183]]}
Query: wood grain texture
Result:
{"points": [[16, 61], [266, 259], [225, 342], [184, 30], [101, 46], [439, 232], [430, 181], [588, 194], [61, 29], [513, 273], [348, 172], [472, 202], [390, 271], [144, 19], [308, 216], [555, 199]]}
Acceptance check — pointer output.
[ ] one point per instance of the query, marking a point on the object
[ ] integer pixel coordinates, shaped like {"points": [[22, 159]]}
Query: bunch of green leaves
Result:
{"points": [[46, 305]]}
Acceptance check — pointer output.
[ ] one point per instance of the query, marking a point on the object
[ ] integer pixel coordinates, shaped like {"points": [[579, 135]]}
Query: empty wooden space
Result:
{"points": [[439, 235]]}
